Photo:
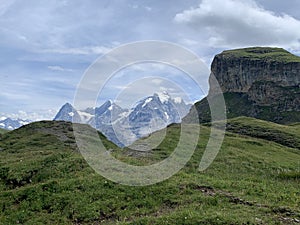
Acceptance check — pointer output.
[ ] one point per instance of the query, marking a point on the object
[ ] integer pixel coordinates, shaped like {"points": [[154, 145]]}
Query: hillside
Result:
{"points": [[257, 82], [2, 131], [281, 134], [254, 180]]}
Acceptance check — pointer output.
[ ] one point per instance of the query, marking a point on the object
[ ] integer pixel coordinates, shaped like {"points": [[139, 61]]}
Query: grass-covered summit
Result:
{"points": [[263, 53]]}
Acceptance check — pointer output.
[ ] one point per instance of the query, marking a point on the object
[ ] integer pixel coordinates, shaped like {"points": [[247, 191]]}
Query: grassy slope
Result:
{"points": [[282, 134], [45, 181], [2, 131], [237, 104]]}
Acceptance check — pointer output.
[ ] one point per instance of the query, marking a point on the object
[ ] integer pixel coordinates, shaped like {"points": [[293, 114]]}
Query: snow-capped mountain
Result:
{"points": [[68, 113], [104, 117], [153, 113], [11, 124], [124, 126], [106, 114]]}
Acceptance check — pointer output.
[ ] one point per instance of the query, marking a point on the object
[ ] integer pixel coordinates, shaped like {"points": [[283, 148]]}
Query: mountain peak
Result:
{"points": [[109, 102], [163, 96], [149, 114], [108, 105], [67, 105], [68, 113]]}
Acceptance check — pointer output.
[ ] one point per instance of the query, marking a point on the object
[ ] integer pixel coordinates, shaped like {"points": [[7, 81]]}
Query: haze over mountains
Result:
{"points": [[124, 126]]}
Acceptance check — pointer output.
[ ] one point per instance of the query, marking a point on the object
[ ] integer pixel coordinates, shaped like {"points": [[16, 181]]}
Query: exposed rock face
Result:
{"points": [[258, 82], [281, 98], [237, 70]]}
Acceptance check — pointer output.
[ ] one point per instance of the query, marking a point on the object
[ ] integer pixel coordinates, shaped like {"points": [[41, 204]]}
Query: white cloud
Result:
{"points": [[14, 96], [235, 23], [157, 81], [135, 6], [59, 68], [147, 86], [189, 42], [94, 50], [32, 116], [149, 9]]}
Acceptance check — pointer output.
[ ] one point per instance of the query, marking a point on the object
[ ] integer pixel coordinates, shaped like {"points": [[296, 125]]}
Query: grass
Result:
{"points": [[282, 134], [253, 180], [265, 53], [238, 104], [2, 131]]}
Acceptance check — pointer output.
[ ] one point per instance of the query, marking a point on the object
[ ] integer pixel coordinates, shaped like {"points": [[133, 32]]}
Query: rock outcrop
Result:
{"points": [[258, 82]]}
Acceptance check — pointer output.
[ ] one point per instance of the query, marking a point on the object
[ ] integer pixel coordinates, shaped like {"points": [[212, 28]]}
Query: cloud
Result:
{"points": [[135, 6], [5, 5], [59, 68], [130, 94], [32, 116], [157, 81], [235, 23], [189, 42], [94, 50], [14, 96], [148, 8]]}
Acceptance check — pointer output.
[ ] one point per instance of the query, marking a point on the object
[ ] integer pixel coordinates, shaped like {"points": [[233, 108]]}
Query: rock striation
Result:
{"points": [[260, 82]]}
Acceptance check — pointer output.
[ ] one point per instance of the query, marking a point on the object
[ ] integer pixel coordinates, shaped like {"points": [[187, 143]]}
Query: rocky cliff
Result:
{"points": [[257, 82]]}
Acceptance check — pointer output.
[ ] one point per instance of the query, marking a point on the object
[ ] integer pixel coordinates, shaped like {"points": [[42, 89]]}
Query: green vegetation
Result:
{"points": [[2, 131], [263, 53], [238, 104], [253, 180], [285, 135]]}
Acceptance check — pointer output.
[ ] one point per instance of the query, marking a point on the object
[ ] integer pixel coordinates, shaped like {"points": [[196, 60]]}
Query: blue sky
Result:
{"points": [[46, 46]]}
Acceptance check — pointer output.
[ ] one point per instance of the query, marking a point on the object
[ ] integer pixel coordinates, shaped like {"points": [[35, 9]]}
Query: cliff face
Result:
{"points": [[258, 82], [237, 70]]}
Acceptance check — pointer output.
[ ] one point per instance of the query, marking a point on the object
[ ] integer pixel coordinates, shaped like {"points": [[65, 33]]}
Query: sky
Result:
{"points": [[47, 46]]}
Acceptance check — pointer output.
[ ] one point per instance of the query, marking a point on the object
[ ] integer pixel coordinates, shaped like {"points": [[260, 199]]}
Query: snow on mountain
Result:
{"points": [[11, 124], [178, 100], [154, 113], [106, 117], [146, 102], [68, 113], [85, 116], [123, 126], [163, 96]]}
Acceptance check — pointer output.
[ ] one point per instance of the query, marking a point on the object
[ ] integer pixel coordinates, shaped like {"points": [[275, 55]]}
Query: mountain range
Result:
{"points": [[124, 126], [11, 124], [253, 180]]}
